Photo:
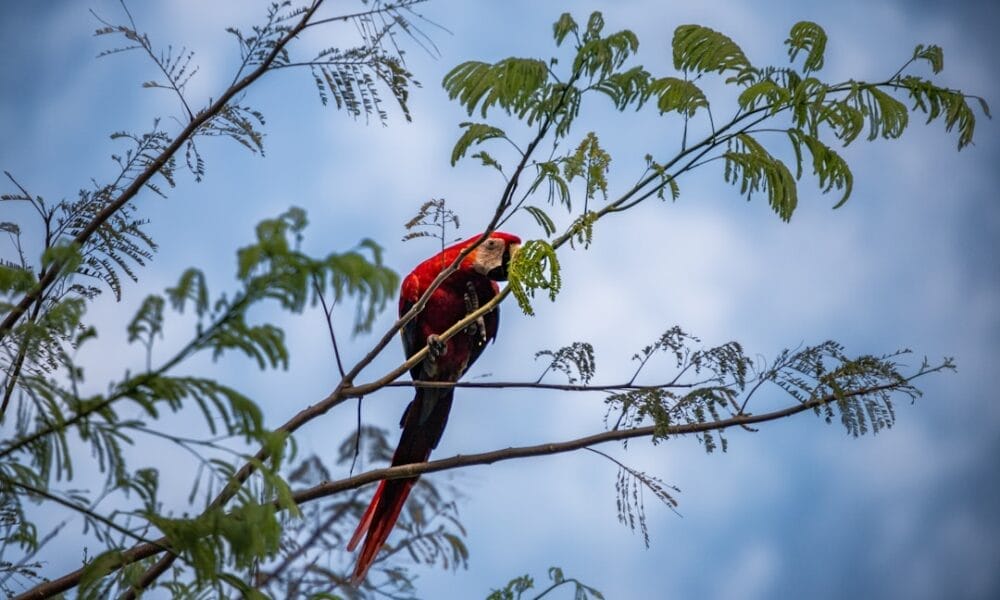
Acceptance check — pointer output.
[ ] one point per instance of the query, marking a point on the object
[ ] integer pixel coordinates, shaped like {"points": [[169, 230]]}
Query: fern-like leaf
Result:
{"points": [[754, 169], [698, 49], [473, 134], [677, 95], [512, 84], [810, 38], [534, 267], [831, 169]]}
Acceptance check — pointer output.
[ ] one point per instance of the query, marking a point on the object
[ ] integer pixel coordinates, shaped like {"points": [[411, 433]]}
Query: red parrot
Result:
{"points": [[473, 284]]}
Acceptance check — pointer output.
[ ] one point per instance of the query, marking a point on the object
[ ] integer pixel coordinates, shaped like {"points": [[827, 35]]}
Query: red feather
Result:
{"points": [[425, 418]]}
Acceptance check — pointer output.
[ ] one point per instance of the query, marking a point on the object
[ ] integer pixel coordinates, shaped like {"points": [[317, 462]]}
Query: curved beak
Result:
{"points": [[500, 273]]}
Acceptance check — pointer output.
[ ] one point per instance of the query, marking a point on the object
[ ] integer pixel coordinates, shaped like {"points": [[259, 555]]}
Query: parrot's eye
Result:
{"points": [[492, 243]]}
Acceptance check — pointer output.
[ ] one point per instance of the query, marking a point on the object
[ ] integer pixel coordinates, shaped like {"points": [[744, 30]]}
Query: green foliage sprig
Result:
{"points": [[534, 267], [516, 588], [272, 268], [238, 537], [807, 108]]}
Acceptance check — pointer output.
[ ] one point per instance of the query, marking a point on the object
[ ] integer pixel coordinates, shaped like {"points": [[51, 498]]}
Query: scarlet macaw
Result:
{"points": [[469, 287]]}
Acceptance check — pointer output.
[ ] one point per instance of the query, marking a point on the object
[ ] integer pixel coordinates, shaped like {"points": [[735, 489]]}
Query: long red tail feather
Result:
{"points": [[384, 510], [423, 424], [366, 519]]}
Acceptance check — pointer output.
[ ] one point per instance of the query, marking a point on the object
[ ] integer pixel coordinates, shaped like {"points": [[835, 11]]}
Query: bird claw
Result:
{"points": [[435, 348], [477, 328]]}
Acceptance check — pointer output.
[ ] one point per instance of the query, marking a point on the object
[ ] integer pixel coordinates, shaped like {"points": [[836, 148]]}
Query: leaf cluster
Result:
{"points": [[630, 486], [433, 219], [859, 389], [58, 414], [516, 588], [575, 361], [534, 267], [812, 115]]}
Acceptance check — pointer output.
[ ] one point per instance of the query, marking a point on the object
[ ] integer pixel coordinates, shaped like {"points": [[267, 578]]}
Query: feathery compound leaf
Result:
{"points": [[515, 588], [667, 181], [190, 286], [251, 532], [700, 50], [14, 279], [888, 117], [631, 507], [148, 321], [563, 27], [810, 37], [599, 57], [433, 219], [475, 133], [578, 357], [366, 278], [626, 87], [754, 169], [590, 162], [542, 218], [932, 54], [831, 169], [673, 94], [512, 84], [766, 91], [582, 230], [535, 266], [952, 105]]}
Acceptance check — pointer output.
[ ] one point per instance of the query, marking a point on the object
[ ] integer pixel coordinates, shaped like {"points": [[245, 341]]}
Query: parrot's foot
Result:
{"points": [[477, 328], [435, 348]]}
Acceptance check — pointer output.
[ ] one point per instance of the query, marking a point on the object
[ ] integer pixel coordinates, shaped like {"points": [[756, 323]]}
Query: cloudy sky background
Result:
{"points": [[797, 510]]}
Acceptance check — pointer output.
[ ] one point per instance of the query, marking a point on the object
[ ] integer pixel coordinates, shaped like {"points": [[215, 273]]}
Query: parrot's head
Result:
{"points": [[492, 257]]}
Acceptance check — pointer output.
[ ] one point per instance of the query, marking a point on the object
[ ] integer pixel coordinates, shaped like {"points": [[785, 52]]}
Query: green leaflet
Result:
{"points": [[667, 181], [218, 538], [677, 95], [222, 406], [626, 87], [534, 267], [15, 280], [765, 92], [753, 169], [563, 27], [511, 84], [191, 286], [700, 49], [933, 54], [575, 361], [951, 105], [598, 57], [808, 37], [542, 218], [96, 569], [831, 169], [516, 587], [148, 321], [473, 134], [591, 163], [274, 268], [558, 188], [582, 230]]}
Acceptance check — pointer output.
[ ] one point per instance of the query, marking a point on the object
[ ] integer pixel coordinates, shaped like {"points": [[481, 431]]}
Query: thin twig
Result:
{"points": [[328, 313], [46, 280]]}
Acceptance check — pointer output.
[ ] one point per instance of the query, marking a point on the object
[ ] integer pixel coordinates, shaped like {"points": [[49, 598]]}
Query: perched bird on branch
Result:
{"points": [[473, 284]]}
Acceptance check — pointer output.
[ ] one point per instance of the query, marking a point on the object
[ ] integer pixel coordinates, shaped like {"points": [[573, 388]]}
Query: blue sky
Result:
{"points": [[798, 509]]}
